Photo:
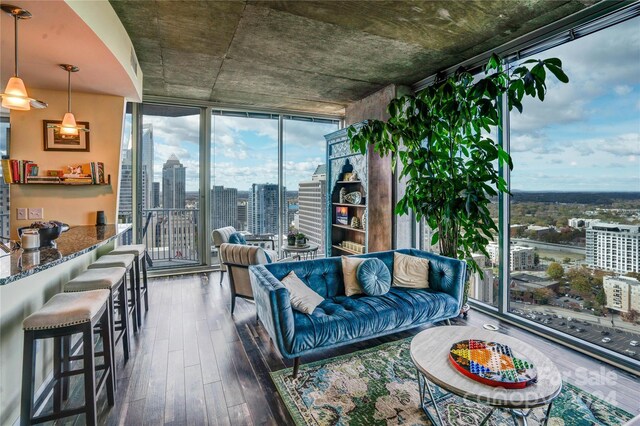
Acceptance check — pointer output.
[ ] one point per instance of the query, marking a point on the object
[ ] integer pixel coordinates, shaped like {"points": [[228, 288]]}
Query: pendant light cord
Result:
{"points": [[69, 91], [15, 44]]}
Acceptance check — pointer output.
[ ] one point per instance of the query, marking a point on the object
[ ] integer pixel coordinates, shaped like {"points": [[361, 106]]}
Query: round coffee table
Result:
{"points": [[305, 252], [430, 354]]}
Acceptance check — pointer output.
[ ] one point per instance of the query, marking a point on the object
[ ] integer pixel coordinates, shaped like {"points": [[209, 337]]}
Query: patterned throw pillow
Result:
{"points": [[237, 238], [374, 277], [410, 271], [302, 298]]}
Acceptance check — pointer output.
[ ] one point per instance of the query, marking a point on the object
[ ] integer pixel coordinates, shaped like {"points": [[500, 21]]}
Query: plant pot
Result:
{"points": [[291, 241], [301, 242]]}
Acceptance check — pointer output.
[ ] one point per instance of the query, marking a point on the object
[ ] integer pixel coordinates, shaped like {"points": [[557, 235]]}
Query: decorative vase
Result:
{"points": [[291, 240], [301, 242], [355, 222], [353, 197], [343, 193]]}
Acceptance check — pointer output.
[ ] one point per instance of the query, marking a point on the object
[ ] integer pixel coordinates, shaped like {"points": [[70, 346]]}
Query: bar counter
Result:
{"points": [[27, 280], [76, 241]]}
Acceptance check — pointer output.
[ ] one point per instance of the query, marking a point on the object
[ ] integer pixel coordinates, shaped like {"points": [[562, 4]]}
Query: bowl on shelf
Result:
{"points": [[48, 231]]}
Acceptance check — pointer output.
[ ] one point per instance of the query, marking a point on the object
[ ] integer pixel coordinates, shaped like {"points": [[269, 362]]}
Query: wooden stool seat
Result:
{"points": [[63, 316]]}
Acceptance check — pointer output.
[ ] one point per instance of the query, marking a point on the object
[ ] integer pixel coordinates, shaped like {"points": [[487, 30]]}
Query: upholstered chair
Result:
{"points": [[223, 235], [237, 258]]}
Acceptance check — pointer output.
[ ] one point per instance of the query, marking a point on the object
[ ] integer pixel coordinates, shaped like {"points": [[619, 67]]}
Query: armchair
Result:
{"points": [[237, 258], [221, 236]]}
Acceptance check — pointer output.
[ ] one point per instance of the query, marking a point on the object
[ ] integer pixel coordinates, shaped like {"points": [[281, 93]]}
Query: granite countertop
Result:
{"points": [[73, 243]]}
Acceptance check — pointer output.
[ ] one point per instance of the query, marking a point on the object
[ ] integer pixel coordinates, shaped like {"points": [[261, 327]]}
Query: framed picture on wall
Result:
{"points": [[54, 141]]}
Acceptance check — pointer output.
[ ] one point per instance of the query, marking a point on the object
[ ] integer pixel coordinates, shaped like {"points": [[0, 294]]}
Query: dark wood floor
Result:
{"points": [[192, 363]]}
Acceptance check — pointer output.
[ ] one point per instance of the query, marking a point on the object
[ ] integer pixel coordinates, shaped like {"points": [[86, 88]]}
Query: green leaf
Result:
{"points": [[558, 73], [434, 238]]}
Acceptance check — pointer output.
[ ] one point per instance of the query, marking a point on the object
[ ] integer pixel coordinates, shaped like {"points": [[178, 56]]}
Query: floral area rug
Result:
{"points": [[378, 386]]}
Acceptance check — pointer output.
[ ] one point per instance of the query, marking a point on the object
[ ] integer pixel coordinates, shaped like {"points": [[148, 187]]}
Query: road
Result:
{"points": [[592, 332]]}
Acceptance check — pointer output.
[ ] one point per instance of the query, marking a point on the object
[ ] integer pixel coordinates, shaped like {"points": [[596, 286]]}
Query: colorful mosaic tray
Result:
{"points": [[492, 363]]}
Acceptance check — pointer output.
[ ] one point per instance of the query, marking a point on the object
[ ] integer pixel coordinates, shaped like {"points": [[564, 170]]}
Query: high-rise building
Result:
{"points": [[613, 247], [241, 224], [224, 207], [263, 209], [125, 199], [155, 195], [520, 257], [147, 166], [173, 183], [312, 197], [481, 287], [623, 293]]}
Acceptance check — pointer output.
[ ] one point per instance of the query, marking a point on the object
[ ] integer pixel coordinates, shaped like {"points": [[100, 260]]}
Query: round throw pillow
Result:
{"points": [[374, 277], [237, 238]]}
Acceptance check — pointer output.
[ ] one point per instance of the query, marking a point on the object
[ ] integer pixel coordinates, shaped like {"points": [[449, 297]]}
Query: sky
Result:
{"points": [[585, 136], [244, 150]]}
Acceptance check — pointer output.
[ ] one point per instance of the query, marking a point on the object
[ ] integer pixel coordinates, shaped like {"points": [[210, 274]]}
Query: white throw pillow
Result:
{"points": [[349, 275], [410, 271], [302, 298]]}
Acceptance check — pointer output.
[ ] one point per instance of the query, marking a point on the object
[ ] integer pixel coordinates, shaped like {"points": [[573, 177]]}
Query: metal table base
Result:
{"points": [[519, 416]]}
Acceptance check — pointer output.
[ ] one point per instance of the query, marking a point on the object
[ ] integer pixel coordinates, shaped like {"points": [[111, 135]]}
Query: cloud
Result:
{"points": [[623, 90], [625, 144]]}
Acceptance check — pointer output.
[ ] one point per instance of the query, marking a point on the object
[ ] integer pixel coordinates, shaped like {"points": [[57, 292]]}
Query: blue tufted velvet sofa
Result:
{"points": [[341, 320]]}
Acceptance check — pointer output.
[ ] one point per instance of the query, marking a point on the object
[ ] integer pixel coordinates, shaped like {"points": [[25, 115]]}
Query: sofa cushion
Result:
{"points": [[349, 273], [410, 271], [340, 319], [237, 238], [374, 277], [302, 298]]}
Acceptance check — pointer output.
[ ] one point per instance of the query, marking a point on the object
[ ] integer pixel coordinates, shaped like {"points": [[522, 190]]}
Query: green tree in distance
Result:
{"points": [[555, 271]]}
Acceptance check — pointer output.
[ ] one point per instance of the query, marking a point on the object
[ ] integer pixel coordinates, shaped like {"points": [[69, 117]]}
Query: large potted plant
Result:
{"points": [[442, 137]]}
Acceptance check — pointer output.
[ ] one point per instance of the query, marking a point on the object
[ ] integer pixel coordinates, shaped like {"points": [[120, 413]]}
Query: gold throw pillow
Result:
{"points": [[410, 271], [349, 270]]}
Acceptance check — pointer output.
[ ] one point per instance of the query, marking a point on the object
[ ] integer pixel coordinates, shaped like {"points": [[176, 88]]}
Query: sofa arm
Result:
{"points": [[273, 307], [446, 274]]}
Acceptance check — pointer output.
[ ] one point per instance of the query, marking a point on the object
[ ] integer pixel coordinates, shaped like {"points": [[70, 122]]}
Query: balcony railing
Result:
{"points": [[171, 237]]}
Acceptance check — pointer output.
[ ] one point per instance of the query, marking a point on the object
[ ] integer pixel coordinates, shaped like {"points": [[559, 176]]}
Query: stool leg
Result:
{"points": [[131, 286], [112, 330], [136, 273], [28, 361], [66, 365], [144, 279], [138, 297], [123, 306], [106, 332], [89, 375], [57, 376]]}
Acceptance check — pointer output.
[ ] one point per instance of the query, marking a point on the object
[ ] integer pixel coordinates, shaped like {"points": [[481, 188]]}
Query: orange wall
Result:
{"points": [[73, 205]]}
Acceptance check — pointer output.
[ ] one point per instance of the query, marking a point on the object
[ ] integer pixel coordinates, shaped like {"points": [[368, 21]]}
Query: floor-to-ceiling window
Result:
{"points": [[4, 187], [125, 195], [575, 208], [304, 177], [244, 174], [169, 169]]}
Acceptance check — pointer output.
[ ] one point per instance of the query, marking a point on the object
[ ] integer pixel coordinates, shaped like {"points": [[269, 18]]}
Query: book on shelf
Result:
{"points": [[43, 179], [95, 170], [17, 171]]}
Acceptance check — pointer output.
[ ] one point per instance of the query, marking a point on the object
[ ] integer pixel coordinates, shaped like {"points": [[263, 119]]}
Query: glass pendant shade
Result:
{"points": [[15, 95], [68, 126]]}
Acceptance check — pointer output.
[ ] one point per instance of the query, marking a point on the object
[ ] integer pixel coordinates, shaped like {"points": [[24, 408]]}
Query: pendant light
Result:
{"points": [[69, 128], [15, 94]]}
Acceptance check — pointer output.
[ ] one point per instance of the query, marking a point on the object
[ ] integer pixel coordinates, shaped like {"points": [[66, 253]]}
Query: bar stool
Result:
{"points": [[142, 289], [112, 279], [64, 315], [122, 261]]}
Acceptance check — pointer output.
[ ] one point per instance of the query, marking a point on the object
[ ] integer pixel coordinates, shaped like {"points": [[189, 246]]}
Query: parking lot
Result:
{"points": [[584, 329]]}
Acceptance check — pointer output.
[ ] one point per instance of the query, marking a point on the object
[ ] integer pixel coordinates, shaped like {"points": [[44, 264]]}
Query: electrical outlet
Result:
{"points": [[36, 213], [21, 214]]}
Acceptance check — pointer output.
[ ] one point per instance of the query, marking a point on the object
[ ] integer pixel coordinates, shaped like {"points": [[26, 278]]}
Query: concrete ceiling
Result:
{"points": [[315, 56]]}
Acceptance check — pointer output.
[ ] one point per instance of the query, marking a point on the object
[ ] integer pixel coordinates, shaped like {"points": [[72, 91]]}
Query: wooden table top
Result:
{"points": [[430, 354]]}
